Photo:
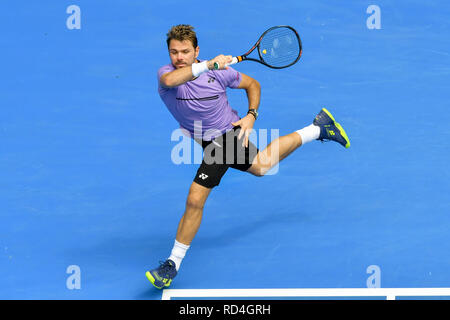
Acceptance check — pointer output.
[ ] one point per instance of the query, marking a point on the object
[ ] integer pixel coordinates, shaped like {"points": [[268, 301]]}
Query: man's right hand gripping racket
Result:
{"points": [[278, 47]]}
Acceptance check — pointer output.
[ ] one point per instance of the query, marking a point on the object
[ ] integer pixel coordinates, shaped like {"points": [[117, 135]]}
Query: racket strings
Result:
{"points": [[279, 47]]}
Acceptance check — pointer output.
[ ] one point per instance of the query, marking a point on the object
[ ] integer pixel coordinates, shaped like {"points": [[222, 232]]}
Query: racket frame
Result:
{"points": [[244, 56]]}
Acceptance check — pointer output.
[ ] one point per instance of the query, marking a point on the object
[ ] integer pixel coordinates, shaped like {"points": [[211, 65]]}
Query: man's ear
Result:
{"points": [[197, 51]]}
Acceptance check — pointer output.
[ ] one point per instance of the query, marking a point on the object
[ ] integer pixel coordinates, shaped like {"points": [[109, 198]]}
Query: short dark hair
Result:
{"points": [[182, 32]]}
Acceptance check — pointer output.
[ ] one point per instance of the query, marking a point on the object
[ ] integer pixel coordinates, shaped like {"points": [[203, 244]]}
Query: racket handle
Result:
{"points": [[234, 61]]}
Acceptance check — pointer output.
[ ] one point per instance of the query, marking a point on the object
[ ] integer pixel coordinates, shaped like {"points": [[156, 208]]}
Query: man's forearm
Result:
{"points": [[177, 77], [254, 95]]}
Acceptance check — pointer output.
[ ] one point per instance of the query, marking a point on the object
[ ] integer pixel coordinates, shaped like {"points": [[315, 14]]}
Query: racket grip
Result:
{"points": [[234, 61]]}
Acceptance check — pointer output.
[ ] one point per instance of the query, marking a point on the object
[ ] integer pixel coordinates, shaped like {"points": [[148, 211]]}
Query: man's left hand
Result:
{"points": [[246, 124]]}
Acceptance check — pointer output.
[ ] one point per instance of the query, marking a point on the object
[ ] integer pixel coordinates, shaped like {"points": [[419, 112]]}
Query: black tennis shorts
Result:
{"points": [[222, 153]]}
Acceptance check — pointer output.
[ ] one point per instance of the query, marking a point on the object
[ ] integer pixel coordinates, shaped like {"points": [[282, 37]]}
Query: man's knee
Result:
{"points": [[197, 197], [261, 164], [257, 170], [194, 202]]}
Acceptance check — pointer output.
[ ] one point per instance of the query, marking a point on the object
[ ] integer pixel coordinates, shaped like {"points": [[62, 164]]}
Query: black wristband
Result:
{"points": [[253, 113]]}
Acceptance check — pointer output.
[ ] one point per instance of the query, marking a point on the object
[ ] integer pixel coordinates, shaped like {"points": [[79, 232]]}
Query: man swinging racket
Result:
{"points": [[194, 91]]}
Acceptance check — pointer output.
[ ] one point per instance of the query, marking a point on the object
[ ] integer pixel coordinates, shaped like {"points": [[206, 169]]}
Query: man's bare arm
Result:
{"points": [[253, 90], [183, 75], [176, 77]]}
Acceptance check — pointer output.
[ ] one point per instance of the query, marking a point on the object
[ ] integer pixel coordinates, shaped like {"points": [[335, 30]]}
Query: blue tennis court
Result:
{"points": [[88, 183]]}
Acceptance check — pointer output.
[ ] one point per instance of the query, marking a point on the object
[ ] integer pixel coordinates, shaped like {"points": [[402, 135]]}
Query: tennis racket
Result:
{"points": [[278, 47]]}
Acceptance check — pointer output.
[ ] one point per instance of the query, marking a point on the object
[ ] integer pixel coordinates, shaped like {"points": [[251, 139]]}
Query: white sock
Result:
{"points": [[309, 133], [178, 253]]}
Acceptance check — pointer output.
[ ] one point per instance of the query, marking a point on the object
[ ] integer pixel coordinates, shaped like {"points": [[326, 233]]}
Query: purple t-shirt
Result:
{"points": [[203, 99]]}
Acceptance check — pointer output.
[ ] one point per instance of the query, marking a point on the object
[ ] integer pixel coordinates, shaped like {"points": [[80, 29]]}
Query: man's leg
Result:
{"points": [[207, 177], [190, 222], [324, 127], [276, 151], [187, 229]]}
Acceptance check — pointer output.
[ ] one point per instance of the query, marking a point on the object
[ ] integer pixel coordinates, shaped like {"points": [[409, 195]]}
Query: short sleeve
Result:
{"points": [[165, 69], [161, 71], [229, 77]]}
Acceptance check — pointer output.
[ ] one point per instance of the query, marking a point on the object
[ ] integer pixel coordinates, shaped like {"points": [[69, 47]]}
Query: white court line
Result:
{"points": [[389, 293]]}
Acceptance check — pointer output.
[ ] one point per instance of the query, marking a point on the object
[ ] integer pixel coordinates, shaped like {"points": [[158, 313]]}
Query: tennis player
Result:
{"points": [[195, 95]]}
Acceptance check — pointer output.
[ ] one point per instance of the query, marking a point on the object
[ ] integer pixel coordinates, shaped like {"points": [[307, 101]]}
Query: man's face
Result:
{"points": [[182, 53]]}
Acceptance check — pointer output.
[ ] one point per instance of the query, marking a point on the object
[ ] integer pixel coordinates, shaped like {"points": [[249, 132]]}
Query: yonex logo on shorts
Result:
{"points": [[203, 176]]}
